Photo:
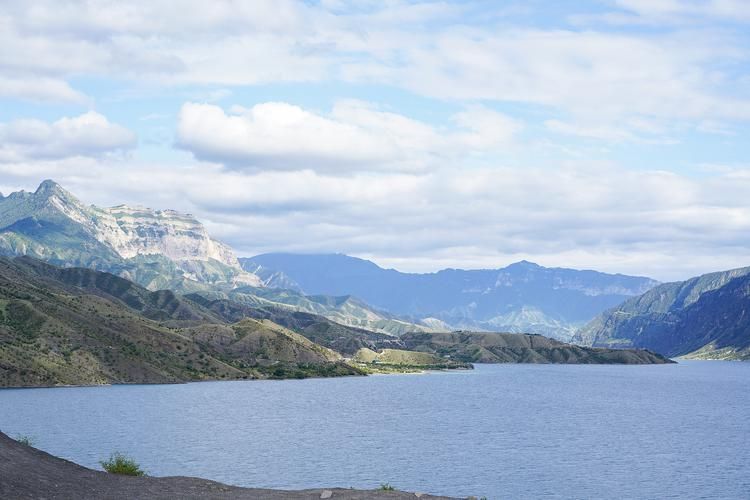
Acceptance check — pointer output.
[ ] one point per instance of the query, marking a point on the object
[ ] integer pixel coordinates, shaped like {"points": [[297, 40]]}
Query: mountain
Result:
{"points": [[473, 347], [156, 248], [61, 326], [704, 317], [78, 326], [344, 339], [402, 360], [345, 310], [523, 297]]}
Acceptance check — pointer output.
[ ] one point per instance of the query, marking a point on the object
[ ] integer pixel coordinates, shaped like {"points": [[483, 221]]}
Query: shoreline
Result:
{"points": [[27, 472], [119, 384], [675, 361]]}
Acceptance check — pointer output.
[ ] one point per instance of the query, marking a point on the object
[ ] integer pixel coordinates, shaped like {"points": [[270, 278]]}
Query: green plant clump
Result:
{"points": [[121, 464], [387, 487], [27, 440]]}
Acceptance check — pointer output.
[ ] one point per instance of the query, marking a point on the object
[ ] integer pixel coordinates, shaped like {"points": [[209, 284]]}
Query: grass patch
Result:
{"points": [[387, 487], [121, 464]]}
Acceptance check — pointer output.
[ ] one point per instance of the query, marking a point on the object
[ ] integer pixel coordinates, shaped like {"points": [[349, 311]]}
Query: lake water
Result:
{"points": [[501, 431]]}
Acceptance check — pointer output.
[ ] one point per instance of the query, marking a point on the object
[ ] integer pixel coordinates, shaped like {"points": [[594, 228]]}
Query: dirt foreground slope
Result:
{"points": [[26, 473]]}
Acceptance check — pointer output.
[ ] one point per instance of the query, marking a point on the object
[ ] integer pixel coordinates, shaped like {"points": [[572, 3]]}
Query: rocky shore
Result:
{"points": [[28, 473]]}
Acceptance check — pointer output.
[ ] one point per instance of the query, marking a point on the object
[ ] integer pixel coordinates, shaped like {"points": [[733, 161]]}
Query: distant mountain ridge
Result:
{"points": [[705, 317], [165, 249], [522, 297]]}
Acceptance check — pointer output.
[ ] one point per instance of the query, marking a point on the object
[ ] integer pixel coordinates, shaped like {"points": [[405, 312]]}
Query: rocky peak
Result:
{"points": [[49, 200], [48, 187], [49, 190], [129, 231]]}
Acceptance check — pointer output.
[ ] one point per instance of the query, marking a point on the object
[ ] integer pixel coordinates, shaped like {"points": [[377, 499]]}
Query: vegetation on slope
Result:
{"points": [[78, 326], [118, 463], [75, 326], [399, 360], [521, 348], [341, 338]]}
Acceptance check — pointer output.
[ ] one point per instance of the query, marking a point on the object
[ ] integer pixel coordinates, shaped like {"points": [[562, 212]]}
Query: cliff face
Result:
{"points": [[705, 317], [133, 231], [157, 248]]}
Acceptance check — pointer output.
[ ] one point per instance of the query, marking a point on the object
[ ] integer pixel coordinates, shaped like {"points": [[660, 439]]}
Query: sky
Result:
{"points": [[602, 134]]}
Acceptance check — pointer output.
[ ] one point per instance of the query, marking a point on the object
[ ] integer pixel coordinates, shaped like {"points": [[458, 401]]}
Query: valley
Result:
{"points": [[134, 295], [350, 249], [520, 298], [77, 326]]}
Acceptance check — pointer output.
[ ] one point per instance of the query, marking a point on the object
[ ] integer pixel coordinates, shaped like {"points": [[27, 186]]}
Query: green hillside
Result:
{"points": [[521, 348], [78, 326]]}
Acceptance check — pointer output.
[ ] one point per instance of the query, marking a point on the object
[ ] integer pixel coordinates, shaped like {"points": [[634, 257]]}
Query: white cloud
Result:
{"points": [[40, 89], [678, 10], [666, 73], [370, 180], [583, 73], [632, 130], [650, 222], [354, 136], [89, 134]]}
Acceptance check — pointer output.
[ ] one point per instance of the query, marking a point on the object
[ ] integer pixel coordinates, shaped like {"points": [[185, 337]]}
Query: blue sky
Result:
{"points": [[607, 134]]}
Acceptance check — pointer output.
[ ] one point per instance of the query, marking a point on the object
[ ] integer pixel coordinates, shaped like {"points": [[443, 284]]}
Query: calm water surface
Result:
{"points": [[502, 431]]}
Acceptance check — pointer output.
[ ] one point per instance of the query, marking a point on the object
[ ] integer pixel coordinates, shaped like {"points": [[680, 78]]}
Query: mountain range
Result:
{"points": [[74, 326], [706, 317], [348, 304], [158, 249], [61, 326], [522, 297]]}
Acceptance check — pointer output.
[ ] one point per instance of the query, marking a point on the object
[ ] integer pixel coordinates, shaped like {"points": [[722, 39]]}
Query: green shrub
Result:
{"points": [[27, 440], [121, 464], [387, 487]]}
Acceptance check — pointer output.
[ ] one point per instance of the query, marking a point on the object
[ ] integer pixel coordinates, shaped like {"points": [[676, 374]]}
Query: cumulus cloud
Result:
{"points": [[354, 135], [670, 73], [89, 134]]}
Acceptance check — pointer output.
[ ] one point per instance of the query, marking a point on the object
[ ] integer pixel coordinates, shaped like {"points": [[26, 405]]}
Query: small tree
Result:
{"points": [[121, 464]]}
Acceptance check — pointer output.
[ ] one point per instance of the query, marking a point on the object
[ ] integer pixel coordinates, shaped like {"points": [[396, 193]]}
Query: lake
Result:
{"points": [[500, 431]]}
